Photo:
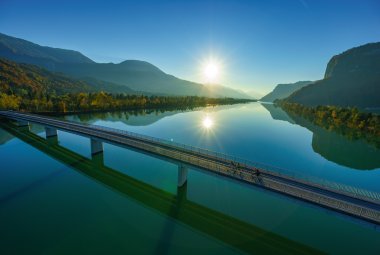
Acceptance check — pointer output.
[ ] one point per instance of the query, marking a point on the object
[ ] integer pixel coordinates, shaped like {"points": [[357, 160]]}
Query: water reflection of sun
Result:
{"points": [[207, 129], [207, 122]]}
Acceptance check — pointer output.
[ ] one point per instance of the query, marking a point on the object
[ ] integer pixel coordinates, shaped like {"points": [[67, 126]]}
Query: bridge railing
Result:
{"points": [[248, 164], [286, 173]]}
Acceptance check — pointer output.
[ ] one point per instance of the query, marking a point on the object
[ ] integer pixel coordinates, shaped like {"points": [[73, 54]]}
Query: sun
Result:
{"points": [[211, 71]]}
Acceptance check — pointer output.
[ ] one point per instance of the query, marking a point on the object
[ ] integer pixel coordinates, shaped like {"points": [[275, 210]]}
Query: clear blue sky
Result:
{"points": [[261, 43]]}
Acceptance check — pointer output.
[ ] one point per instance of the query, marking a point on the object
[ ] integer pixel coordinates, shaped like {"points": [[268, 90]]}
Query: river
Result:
{"points": [[52, 202]]}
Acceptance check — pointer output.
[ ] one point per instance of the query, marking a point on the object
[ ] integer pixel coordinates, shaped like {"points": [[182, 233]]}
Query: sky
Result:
{"points": [[256, 44]]}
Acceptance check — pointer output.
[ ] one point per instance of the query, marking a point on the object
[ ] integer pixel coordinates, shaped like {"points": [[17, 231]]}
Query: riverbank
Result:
{"points": [[350, 122], [104, 102]]}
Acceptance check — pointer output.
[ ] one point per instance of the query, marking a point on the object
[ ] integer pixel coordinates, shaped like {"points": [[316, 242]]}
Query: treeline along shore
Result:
{"points": [[350, 122], [102, 101]]}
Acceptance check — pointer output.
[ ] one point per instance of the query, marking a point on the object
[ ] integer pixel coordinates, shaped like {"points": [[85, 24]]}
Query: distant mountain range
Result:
{"points": [[133, 74], [254, 94], [282, 91], [351, 79], [23, 79]]}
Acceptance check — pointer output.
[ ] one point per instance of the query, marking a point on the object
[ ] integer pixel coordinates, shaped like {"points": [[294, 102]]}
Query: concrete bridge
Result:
{"points": [[238, 234], [347, 200]]}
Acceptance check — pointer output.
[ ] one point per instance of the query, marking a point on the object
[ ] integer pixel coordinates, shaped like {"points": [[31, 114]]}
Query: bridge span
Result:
{"points": [[348, 200]]}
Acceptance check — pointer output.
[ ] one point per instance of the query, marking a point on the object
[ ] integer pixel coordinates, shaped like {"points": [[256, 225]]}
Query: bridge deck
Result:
{"points": [[352, 203]]}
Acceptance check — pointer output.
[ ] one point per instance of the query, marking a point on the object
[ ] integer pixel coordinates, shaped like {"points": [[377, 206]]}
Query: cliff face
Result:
{"points": [[365, 58], [351, 79]]}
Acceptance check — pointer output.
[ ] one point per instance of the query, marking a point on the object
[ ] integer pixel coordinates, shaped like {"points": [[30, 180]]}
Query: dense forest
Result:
{"points": [[350, 122], [101, 101]]}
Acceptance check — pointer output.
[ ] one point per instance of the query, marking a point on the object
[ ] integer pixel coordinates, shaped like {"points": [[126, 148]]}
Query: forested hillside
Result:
{"points": [[135, 74]]}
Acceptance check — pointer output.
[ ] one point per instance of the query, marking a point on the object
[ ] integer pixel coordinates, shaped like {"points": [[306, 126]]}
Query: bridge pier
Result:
{"points": [[96, 146], [182, 175], [22, 123], [50, 132]]}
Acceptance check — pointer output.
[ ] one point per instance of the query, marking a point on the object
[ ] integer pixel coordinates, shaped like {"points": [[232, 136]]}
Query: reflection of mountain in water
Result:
{"points": [[357, 154], [131, 118], [277, 113], [4, 137], [143, 117]]}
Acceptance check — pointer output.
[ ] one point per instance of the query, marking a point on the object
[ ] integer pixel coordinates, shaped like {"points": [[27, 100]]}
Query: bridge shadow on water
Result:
{"points": [[232, 231]]}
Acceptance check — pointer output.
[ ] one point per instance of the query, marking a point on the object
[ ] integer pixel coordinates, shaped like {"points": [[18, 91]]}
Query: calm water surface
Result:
{"points": [[55, 199]]}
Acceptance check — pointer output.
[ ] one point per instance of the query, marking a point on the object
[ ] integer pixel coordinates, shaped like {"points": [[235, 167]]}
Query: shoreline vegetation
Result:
{"points": [[350, 122], [102, 101]]}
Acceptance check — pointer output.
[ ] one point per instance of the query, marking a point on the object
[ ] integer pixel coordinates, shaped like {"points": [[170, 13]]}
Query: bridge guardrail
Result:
{"points": [[281, 172], [248, 164]]}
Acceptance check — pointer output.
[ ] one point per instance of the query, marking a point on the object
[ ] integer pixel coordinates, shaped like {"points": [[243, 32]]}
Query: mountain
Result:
{"points": [[5, 137], [22, 79], [352, 79], [135, 74], [282, 91], [143, 76], [23, 51]]}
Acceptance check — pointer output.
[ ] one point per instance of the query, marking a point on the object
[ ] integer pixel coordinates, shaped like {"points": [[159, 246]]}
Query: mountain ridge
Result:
{"points": [[135, 74], [352, 79], [16, 78], [282, 91], [18, 49]]}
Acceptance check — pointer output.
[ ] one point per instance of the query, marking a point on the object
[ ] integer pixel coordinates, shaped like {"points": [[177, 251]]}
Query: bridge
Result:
{"points": [[344, 199], [238, 234]]}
